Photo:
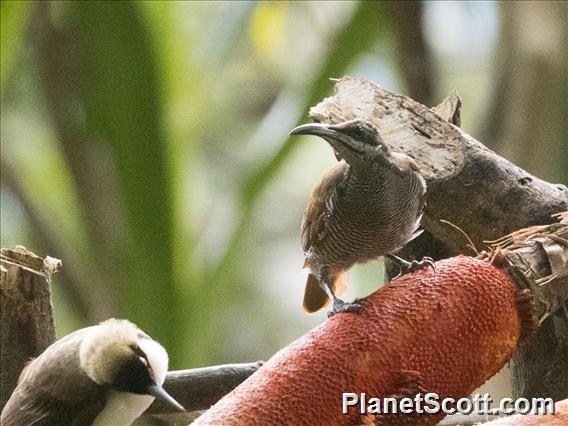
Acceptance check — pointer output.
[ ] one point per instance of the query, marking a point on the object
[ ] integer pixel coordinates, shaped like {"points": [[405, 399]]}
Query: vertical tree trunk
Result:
{"points": [[415, 60], [526, 117], [539, 366], [26, 317]]}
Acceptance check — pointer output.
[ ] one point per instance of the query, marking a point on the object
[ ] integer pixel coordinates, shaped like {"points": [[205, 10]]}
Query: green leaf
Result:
{"points": [[13, 19], [123, 109], [356, 38]]}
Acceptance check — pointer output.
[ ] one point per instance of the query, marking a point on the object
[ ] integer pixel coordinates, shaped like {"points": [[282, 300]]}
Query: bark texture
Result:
{"points": [[26, 317], [537, 259]]}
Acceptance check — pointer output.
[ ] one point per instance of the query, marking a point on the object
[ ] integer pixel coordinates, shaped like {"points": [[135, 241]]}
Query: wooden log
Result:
{"points": [[26, 318]]}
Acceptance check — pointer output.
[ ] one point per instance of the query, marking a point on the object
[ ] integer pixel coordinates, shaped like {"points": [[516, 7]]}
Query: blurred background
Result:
{"points": [[145, 144]]}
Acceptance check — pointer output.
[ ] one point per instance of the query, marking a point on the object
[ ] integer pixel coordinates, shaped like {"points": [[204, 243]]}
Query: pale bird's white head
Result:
{"points": [[119, 355]]}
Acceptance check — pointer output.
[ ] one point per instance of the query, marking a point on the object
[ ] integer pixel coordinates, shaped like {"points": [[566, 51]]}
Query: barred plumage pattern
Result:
{"points": [[362, 215]]}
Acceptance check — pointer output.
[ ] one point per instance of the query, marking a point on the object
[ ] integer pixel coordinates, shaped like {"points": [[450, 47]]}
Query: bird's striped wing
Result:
{"points": [[315, 225]]}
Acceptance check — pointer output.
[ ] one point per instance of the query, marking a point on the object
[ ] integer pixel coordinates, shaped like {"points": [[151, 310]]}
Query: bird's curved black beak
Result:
{"points": [[316, 129], [335, 137], [159, 392]]}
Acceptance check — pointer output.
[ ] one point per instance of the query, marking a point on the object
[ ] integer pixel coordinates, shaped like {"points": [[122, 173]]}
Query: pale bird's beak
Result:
{"points": [[159, 392]]}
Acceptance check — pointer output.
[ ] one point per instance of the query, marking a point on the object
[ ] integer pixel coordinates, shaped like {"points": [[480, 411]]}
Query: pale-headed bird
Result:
{"points": [[107, 374]]}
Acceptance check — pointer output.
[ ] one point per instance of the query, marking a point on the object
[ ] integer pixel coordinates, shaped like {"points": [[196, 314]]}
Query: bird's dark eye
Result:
{"points": [[133, 376], [141, 355], [364, 134], [357, 132], [143, 360]]}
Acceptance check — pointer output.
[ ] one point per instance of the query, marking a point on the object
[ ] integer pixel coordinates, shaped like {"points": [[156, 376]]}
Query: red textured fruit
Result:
{"points": [[451, 329]]}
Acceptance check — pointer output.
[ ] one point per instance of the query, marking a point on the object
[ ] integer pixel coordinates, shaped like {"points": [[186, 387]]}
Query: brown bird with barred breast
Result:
{"points": [[368, 205]]}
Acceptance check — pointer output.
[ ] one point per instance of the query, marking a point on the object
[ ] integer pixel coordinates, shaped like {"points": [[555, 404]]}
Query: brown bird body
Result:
{"points": [[368, 205]]}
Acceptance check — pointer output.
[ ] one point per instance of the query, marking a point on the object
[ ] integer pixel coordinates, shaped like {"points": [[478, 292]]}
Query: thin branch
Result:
{"points": [[199, 388]]}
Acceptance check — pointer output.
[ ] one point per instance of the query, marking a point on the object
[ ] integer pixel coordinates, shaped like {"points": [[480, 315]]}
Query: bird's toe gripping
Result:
{"points": [[415, 265], [340, 306], [425, 262]]}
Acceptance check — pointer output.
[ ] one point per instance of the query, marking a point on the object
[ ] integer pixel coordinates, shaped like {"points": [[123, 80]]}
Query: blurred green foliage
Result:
{"points": [[14, 16], [123, 109], [146, 144]]}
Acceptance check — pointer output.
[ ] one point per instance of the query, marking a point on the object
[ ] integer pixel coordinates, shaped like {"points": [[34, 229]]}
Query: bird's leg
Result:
{"points": [[337, 305], [406, 266]]}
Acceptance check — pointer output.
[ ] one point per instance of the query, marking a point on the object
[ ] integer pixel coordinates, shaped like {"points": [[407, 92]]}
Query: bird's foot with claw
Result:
{"points": [[415, 265], [340, 306], [425, 262]]}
